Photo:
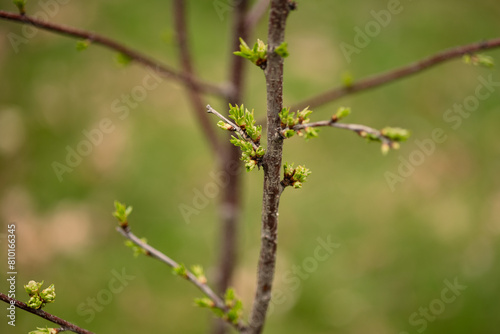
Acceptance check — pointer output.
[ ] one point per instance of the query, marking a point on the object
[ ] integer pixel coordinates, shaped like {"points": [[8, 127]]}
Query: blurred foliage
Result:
{"points": [[396, 248]]}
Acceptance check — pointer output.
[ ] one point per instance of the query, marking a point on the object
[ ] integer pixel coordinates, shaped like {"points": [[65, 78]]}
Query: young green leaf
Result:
{"points": [[282, 50]]}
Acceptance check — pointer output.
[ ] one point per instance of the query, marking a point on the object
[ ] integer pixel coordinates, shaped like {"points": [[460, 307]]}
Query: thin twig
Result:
{"points": [[153, 252], [236, 128], [192, 87], [67, 326], [393, 75], [229, 208], [361, 130], [272, 168], [256, 13], [136, 56]]}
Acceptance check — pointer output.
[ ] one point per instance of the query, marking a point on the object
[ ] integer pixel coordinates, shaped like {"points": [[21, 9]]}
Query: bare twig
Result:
{"points": [[153, 252], [256, 13], [393, 75], [235, 127], [67, 326], [231, 199], [136, 56], [361, 130], [272, 168], [193, 88]]}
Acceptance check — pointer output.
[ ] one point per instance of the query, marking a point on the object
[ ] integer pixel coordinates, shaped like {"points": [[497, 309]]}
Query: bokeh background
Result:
{"points": [[397, 248]]}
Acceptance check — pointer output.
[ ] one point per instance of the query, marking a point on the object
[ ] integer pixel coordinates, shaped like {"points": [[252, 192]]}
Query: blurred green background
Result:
{"points": [[397, 248]]}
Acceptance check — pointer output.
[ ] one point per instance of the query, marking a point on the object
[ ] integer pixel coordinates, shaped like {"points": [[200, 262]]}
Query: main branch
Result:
{"points": [[136, 56], [66, 326], [399, 73], [272, 167]]}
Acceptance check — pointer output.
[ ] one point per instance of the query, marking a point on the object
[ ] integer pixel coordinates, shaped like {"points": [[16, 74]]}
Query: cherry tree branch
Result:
{"points": [[361, 130], [235, 127], [134, 55], [272, 167], [399, 73], [230, 205], [256, 13], [203, 287], [65, 325], [193, 88]]}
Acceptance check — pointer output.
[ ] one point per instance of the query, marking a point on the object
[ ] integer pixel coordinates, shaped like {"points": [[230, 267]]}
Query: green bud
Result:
{"points": [[250, 165], [257, 55], [136, 249], [479, 60], [48, 295], [311, 133], [122, 212], [40, 330], [180, 270], [225, 126], [35, 302], [122, 59], [343, 112], [204, 302], [197, 271], [20, 4], [347, 79], [288, 133], [32, 288], [303, 115], [297, 185], [385, 148], [82, 45], [396, 134], [282, 50]]}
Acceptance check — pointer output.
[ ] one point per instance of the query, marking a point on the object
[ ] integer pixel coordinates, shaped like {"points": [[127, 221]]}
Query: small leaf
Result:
{"points": [[82, 45], [396, 134], [479, 60], [343, 112], [180, 270], [20, 4], [204, 302], [122, 59], [347, 79], [282, 50], [198, 272]]}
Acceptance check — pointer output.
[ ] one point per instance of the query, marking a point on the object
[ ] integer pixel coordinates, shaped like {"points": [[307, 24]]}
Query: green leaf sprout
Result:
{"points": [[479, 60], [257, 54], [282, 50], [121, 213]]}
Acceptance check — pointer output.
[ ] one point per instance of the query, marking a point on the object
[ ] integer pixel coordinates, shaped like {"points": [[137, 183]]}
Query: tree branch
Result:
{"points": [[203, 287], [361, 130], [193, 88], [256, 13], [272, 167], [235, 127], [230, 205], [136, 56], [393, 75], [67, 326]]}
